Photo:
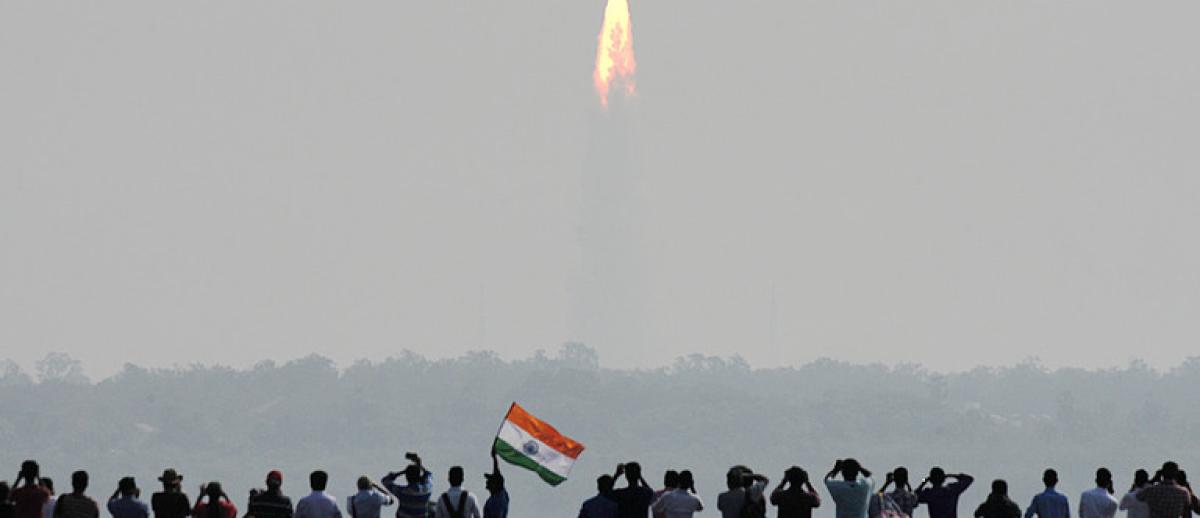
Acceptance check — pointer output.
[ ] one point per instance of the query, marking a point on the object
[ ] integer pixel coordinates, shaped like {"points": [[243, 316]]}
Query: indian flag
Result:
{"points": [[529, 442]]}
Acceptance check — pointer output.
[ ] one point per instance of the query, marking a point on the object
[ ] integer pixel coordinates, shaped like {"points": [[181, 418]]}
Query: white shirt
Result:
{"points": [[1097, 503], [1133, 507], [471, 507], [317, 505], [366, 503], [678, 504]]}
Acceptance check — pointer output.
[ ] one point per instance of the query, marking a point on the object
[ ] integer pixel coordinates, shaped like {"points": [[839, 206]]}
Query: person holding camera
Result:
{"points": [[795, 496], [412, 499], [124, 502], [218, 505], [939, 497], [681, 500], [852, 494]]}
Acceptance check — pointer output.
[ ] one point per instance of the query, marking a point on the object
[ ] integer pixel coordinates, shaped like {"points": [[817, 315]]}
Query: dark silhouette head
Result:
{"points": [[733, 478], [213, 491], [686, 481], [1141, 477], [1104, 479], [4, 491], [900, 476], [456, 476], [633, 473], [412, 474], [604, 484], [364, 483], [999, 488], [127, 486], [493, 482], [79, 481], [937, 476], [796, 476], [850, 469], [274, 481], [30, 470], [671, 479], [318, 480], [48, 484], [170, 479], [1170, 471], [1050, 478]]}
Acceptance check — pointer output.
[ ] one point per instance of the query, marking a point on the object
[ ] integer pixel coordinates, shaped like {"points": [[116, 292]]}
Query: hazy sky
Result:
{"points": [[952, 183]]}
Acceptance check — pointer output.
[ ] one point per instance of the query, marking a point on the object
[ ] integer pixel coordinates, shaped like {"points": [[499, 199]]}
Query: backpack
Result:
{"points": [[456, 512], [752, 508]]}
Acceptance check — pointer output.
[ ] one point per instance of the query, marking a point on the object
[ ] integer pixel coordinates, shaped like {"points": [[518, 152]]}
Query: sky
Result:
{"points": [[951, 183]]}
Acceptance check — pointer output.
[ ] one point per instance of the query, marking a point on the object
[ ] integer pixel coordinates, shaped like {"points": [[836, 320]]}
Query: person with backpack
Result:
{"points": [[852, 494], [456, 502]]}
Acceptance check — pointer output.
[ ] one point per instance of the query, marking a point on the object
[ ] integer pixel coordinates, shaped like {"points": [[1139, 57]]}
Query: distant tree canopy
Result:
{"points": [[703, 413]]}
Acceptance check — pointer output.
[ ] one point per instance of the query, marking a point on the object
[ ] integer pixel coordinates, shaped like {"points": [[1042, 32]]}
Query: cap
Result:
{"points": [[170, 475]]}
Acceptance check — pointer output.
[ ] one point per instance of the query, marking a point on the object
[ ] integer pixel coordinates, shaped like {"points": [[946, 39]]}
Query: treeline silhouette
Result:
{"points": [[704, 413]]}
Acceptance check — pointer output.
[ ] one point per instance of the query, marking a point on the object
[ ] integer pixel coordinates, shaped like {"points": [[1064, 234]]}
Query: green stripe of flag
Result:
{"points": [[515, 457]]}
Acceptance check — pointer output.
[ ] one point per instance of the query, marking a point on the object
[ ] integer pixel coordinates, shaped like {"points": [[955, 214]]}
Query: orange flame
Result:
{"points": [[615, 64]]}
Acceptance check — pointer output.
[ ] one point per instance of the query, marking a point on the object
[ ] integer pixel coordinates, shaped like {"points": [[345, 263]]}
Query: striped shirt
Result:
{"points": [[71, 505], [412, 501]]}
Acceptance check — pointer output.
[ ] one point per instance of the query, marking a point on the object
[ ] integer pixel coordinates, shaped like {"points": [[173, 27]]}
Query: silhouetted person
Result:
{"points": [[942, 498], [496, 505], [746, 494], [48, 509], [77, 504], [7, 509], [28, 496], [851, 495], [270, 502], [317, 504], [214, 503], [795, 496], [370, 499], [171, 502], [602, 505], [1049, 503], [1166, 499], [1133, 507], [681, 501], [998, 504], [124, 502], [1099, 502], [412, 499], [903, 496], [1194, 503], [633, 500], [670, 482], [457, 502]]}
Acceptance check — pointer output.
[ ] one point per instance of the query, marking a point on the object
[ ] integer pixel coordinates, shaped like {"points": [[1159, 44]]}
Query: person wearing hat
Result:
{"points": [[270, 502], [171, 502], [496, 505], [124, 502]]}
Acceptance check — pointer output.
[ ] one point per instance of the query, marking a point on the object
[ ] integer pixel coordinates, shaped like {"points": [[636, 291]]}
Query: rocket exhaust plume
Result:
{"points": [[615, 63]]}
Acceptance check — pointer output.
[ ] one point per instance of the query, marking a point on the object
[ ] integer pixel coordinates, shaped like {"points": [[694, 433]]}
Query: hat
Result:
{"points": [[127, 484], [170, 475], [275, 475]]}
